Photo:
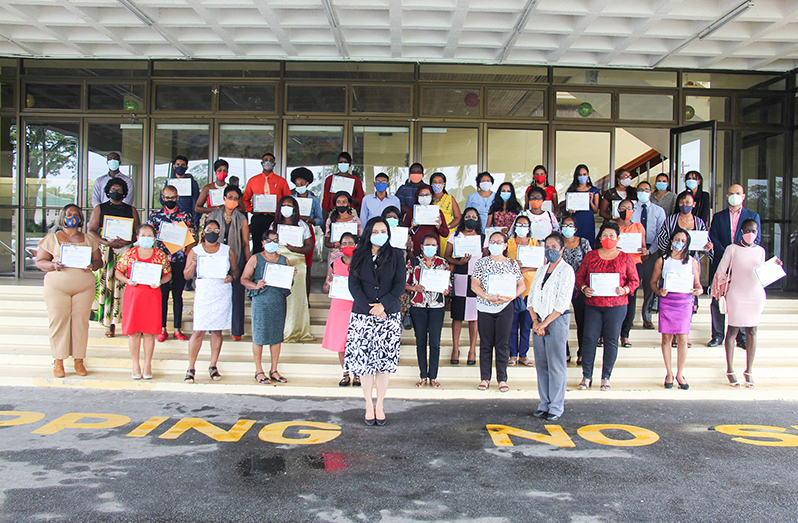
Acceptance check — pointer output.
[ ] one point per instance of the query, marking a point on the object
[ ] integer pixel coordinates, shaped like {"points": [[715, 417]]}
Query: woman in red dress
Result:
{"points": [[141, 304]]}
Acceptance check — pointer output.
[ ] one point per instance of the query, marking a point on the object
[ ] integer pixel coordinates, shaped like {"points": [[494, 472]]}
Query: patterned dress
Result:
{"points": [[141, 306], [107, 307]]}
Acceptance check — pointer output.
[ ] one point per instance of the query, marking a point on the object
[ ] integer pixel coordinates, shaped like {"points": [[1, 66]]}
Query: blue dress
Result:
{"points": [[482, 205], [268, 307], [586, 221]]}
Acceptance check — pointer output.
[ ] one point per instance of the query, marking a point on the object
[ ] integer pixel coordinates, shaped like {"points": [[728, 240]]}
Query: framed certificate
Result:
{"points": [[605, 283], [698, 240], [435, 280], [173, 233], [291, 235], [342, 183], [577, 201], [183, 185], [115, 227], [338, 229], [305, 206], [146, 273], [212, 267], [630, 242], [501, 285], [467, 245], [531, 256], [681, 282], [264, 203], [426, 214], [75, 256], [217, 197], [399, 237], [339, 288], [277, 275], [769, 272]]}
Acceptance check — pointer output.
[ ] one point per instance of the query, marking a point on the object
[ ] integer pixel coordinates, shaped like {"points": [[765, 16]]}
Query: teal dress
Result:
{"points": [[268, 307]]}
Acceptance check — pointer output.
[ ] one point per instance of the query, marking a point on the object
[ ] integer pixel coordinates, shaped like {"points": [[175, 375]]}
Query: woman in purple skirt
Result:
{"points": [[676, 281]]}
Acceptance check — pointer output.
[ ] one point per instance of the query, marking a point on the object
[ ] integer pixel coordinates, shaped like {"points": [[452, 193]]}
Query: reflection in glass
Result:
{"points": [[126, 139], [51, 171], [243, 147], [643, 151], [591, 148], [8, 242], [451, 101], [770, 82], [381, 149], [52, 96], [380, 99], [247, 98], [760, 110], [706, 108], [454, 152], [516, 103], [189, 140], [484, 73], [646, 107], [112, 97], [761, 168], [512, 156], [8, 161], [572, 104], [183, 97], [569, 75], [316, 98]]}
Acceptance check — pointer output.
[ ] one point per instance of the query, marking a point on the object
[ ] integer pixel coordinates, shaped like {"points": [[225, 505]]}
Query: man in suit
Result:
{"points": [[724, 231]]}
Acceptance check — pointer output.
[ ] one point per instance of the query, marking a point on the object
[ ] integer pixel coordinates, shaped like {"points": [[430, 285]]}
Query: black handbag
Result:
{"points": [[519, 304]]}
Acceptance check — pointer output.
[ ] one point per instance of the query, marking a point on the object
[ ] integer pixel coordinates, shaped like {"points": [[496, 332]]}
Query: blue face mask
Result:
{"points": [[691, 184], [686, 209], [429, 250], [678, 246], [146, 242], [662, 186], [343, 167], [643, 196], [271, 247], [393, 222], [379, 239], [552, 255], [583, 178], [381, 186], [71, 221], [568, 232], [505, 196], [301, 190], [495, 250]]}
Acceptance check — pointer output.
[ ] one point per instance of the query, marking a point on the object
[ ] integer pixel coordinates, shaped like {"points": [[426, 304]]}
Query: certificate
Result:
{"points": [[435, 280], [305, 206], [399, 237], [342, 183], [698, 239], [146, 273], [426, 214], [502, 285], [467, 245], [577, 201], [75, 256], [277, 275], [605, 283], [681, 282], [173, 233], [183, 185], [769, 272], [547, 206], [615, 204], [338, 229], [489, 231], [540, 229], [531, 256], [339, 288], [291, 235], [115, 227], [630, 242], [217, 197], [264, 203], [212, 267]]}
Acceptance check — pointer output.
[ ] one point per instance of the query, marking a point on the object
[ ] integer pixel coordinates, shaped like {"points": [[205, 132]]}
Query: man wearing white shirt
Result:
{"points": [[374, 204], [651, 216], [98, 195]]}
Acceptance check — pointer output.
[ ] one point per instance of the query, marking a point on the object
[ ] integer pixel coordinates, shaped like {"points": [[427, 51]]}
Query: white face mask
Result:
{"points": [[286, 211], [343, 167], [735, 199], [425, 200], [301, 189], [486, 186], [113, 165]]}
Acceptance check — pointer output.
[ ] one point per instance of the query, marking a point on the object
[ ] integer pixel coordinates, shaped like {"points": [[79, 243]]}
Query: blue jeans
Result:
{"points": [[519, 337]]}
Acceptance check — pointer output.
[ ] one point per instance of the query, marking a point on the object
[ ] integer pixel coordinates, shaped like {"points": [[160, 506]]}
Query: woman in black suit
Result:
{"points": [[376, 282]]}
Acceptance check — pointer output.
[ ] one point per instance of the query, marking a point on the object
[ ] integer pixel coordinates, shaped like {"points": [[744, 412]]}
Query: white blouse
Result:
{"points": [[556, 294]]}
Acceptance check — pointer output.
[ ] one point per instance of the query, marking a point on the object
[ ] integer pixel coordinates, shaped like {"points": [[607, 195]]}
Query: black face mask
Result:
{"points": [[115, 196], [211, 237], [170, 204], [623, 214], [341, 208], [470, 223], [180, 170]]}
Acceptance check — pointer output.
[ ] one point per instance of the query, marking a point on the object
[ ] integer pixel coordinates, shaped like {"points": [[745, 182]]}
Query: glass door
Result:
{"points": [[695, 148]]}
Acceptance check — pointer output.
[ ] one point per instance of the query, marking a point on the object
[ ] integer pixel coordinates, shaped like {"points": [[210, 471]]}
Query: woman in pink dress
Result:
{"points": [[340, 310]]}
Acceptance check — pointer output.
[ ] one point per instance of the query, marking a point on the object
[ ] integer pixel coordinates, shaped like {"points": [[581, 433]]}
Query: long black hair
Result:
{"points": [[334, 215], [686, 250], [512, 204], [575, 181], [362, 252], [278, 216], [461, 226]]}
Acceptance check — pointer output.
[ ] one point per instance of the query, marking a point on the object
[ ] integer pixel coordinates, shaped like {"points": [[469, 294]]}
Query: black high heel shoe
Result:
{"points": [[370, 422], [683, 386], [381, 422]]}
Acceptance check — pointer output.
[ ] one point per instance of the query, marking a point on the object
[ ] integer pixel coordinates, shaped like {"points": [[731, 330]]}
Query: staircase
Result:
{"points": [[25, 360]]}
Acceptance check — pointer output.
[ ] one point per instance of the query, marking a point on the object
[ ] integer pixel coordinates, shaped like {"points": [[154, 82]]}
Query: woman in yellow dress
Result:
{"points": [[448, 205]]}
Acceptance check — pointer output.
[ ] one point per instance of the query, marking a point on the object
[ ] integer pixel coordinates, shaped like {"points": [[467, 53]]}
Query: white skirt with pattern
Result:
{"points": [[372, 344]]}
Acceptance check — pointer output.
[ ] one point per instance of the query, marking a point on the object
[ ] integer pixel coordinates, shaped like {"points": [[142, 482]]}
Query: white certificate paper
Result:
{"points": [[615, 205], [117, 228], [183, 185], [501, 285], [426, 214], [291, 235], [489, 231], [681, 282], [435, 280], [531, 256], [217, 197], [339, 229], [339, 288], [264, 203], [605, 283], [75, 256], [277, 275], [547, 206], [630, 242], [698, 239], [342, 183], [146, 273], [172, 233], [577, 201], [467, 245], [212, 267], [540, 229], [399, 237], [769, 272], [305, 206]]}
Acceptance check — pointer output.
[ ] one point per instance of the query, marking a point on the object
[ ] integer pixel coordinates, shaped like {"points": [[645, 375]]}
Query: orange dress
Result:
{"points": [[141, 304]]}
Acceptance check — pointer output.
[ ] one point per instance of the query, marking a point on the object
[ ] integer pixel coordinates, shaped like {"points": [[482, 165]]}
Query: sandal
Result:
{"points": [[264, 380], [732, 379], [749, 379], [356, 381], [214, 373], [111, 331], [503, 387], [585, 384], [420, 383], [435, 384], [605, 385], [483, 385], [277, 378], [345, 381], [190, 374], [512, 361], [527, 362]]}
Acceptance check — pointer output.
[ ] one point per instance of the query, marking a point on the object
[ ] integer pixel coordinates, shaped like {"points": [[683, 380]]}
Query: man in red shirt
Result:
{"points": [[344, 167], [266, 182]]}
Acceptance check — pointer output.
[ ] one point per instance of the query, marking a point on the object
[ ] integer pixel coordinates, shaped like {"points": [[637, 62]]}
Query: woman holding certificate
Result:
{"points": [[632, 241], [337, 285], [497, 281], [504, 209], [377, 282], [143, 269], [622, 191], [69, 256], [522, 322], [583, 207], [606, 277], [575, 249], [424, 218], [676, 279], [684, 220], [341, 220], [112, 224], [295, 242], [542, 222], [447, 204]]}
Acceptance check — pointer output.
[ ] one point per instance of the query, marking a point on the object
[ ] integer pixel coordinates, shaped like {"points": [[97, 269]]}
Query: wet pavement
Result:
{"points": [[79, 455]]}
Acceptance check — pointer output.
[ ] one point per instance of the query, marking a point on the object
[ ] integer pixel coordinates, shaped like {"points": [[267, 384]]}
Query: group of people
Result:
{"points": [[513, 271]]}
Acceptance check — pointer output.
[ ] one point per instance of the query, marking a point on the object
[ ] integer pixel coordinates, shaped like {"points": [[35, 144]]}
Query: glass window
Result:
{"points": [[112, 97], [8, 242], [87, 68], [173, 139], [451, 101], [8, 80], [316, 99], [52, 96], [624, 77], [126, 139], [792, 283], [350, 70], [8, 161], [512, 156], [454, 152], [516, 103], [643, 151], [706, 108], [572, 104], [216, 69], [769, 82], [760, 110], [315, 147], [243, 147], [51, 170], [259, 98], [484, 73], [38, 223], [591, 148], [381, 99], [183, 97], [381, 149], [761, 167], [649, 107]]}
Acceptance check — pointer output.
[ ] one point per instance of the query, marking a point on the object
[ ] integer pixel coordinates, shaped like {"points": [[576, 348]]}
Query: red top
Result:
{"points": [[550, 190], [622, 264], [257, 185], [357, 195], [418, 232]]}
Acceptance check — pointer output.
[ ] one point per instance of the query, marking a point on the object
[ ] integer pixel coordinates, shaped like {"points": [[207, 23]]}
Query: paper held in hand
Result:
{"points": [[264, 203], [502, 285], [399, 237], [212, 267], [305, 206], [338, 229], [605, 283], [217, 197], [769, 272], [116, 227], [146, 273], [547, 206], [173, 233], [681, 282], [630, 242], [342, 183], [698, 240], [183, 185], [467, 245], [293, 235], [531, 256], [435, 280], [277, 275], [339, 288], [75, 256], [426, 214], [577, 201], [540, 229], [615, 205]]}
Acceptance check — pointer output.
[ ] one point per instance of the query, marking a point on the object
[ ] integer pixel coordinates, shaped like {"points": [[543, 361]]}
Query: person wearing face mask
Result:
{"points": [[604, 315], [297, 323], [676, 308], [418, 231], [189, 202], [504, 209], [234, 234], [341, 214], [344, 169], [377, 282], [204, 204], [540, 180], [575, 250], [483, 198], [177, 258], [652, 217], [726, 230], [107, 308], [407, 192], [267, 182], [495, 311], [695, 184], [141, 306], [213, 299], [427, 309], [302, 177], [393, 216], [542, 222], [447, 204], [662, 195], [374, 204], [268, 307], [626, 226], [68, 292], [623, 190], [549, 306], [685, 220], [522, 321], [98, 196], [585, 219]]}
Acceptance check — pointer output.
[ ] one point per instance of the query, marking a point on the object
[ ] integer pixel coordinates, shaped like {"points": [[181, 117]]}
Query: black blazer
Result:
{"points": [[386, 286], [701, 208]]}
